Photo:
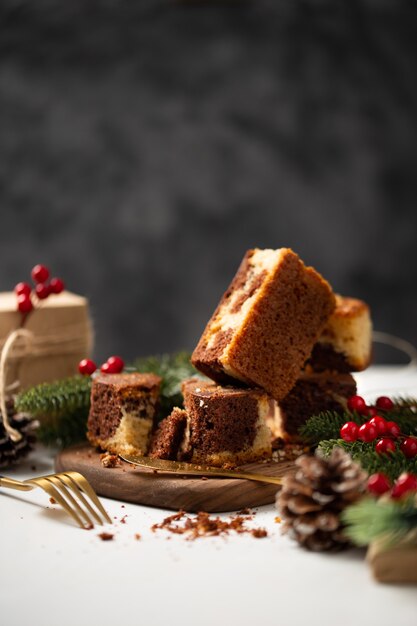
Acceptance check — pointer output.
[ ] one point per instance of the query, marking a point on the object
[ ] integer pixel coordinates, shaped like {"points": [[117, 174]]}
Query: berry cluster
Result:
{"points": [[379, 483], [113, 365], [43, 289], [378, 428]]}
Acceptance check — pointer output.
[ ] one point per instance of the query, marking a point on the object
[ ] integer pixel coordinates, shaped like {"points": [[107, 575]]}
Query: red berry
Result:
{"points": [[24, 303], [23, 289], [56, 285], [349, 431], [391, 428], [409, 447], [367, 432], [385, 445], [113, 365], [40, 273], [87, 367], [42, 291], [357, 403], [379, 423], [371, 411], [404, 484], [384, 403], [116, 363], [379, 483]]}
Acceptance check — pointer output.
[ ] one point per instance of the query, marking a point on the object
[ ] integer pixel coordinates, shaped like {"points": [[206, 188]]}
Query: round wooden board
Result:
{"points": [[169, 491]]}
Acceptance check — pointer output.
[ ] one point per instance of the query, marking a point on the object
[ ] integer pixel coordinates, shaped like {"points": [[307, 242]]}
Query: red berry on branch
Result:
{"points": [[358, 404], [378, 484], [349, 431], [113, 365], [409, 447], [384, 403], [24, 303], [367, 432], [23, 289], [40, 273], [406, 483], [57, 285], [116, 362], [379, 423], [385, 445], [86, 367], [42, 291], [371, 411], [392, 429]]}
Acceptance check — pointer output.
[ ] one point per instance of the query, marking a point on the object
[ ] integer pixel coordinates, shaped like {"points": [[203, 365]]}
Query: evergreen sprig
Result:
{"points": [[61, 408], [370, 519], [55, 399], [327, 425], [392, 464]]}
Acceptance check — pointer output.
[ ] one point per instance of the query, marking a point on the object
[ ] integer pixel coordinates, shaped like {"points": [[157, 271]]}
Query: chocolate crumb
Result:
{"points": [[110, 460], [106, 536], [138, 536], [202, 525], [52, 500], [123, 519]]}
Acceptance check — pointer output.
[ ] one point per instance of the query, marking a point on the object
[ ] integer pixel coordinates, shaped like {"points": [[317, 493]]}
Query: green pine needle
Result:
{"points": [[370, 519], [55, 399], [327, 425], [392, 464]]}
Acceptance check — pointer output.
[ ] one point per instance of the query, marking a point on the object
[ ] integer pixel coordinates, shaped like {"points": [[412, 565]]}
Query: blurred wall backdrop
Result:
{"points": [[144, 146]]}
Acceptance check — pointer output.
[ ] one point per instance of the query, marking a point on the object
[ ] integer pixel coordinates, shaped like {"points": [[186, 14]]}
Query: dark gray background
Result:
{"points": [[144, 146]]}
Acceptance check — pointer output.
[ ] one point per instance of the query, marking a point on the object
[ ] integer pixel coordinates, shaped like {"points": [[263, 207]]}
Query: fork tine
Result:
{"points": [[54, 493], [72, 486], [82, 483], [58, 482]]}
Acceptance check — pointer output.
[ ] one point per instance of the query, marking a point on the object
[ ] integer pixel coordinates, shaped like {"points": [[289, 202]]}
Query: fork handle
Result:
{"points": [[10, 483]]}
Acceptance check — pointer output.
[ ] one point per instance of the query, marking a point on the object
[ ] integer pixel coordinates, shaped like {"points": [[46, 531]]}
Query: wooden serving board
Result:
{"points": [[170, 491]]}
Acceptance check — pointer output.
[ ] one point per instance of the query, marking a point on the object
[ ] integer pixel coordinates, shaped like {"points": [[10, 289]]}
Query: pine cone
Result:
{"points": [[12, 452], [311, 499]]}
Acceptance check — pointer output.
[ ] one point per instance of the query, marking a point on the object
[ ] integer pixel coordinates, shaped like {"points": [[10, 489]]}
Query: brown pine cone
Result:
{"points": [[12, 452], [311, 499]]}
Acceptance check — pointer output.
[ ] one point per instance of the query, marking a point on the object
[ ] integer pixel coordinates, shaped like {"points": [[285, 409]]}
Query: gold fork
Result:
{"points": [[189, 469], [69, 489]]}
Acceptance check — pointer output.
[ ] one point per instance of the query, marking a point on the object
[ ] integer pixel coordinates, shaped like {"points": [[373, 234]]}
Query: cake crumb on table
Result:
{"points": [[106, 536], [202, 525]]}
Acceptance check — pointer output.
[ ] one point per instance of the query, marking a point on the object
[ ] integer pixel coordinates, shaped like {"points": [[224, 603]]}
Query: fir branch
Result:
{"points": [[327, 425], [56, 399], [392, 464], [370, 519], [64, 430]]}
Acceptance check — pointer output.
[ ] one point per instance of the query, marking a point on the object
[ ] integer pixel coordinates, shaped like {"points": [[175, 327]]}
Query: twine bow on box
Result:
{"points": [[24, 348]]}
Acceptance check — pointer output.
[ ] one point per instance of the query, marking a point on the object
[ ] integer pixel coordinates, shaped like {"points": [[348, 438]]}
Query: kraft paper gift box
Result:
{"points": [[60, 335]]}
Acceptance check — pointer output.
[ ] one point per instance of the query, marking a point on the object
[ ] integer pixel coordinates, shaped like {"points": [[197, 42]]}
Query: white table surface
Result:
{"points": [[53, 573]]}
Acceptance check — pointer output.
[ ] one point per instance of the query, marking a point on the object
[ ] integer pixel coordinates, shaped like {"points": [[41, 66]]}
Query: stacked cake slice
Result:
{"points": [[267, 348]]}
